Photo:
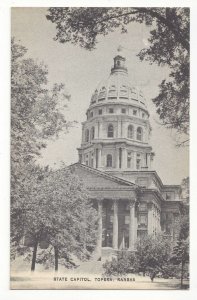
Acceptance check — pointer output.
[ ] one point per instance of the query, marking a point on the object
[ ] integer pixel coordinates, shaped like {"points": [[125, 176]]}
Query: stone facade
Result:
{"points": [[115, 162]]}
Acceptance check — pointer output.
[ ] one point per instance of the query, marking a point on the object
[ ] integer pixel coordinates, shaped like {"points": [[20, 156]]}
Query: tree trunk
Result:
{"points": [[56, 258], [33, 262]]}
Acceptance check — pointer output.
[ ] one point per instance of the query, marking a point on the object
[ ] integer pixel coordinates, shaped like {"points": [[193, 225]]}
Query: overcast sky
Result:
{"points": [[81, 71]]}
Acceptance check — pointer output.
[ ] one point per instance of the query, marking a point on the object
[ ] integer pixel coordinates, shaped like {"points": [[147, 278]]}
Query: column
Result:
{"points": [[150, 218], [132, 226], [100, 129], [148, 161], [100, 209], [119, 129], [99, 157], [97, 130], [134, 160], [115, 225], [94, 159], [117, 158], [124, 158], [154, 218]]}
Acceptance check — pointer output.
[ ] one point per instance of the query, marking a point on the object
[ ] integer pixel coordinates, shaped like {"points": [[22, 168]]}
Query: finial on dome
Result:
{"points": [[120, 48]]}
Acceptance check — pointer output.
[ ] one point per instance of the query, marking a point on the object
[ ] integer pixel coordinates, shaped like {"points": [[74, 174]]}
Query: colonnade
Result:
{"points": [[132, 225]]}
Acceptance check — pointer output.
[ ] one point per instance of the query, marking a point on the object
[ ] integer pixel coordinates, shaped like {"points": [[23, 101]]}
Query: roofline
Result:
{"points": [[154, 173]]}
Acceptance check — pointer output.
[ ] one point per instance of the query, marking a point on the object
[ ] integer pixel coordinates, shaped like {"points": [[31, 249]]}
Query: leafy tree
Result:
{"points": [[152, 256], [57, 212], [180, 256], [46, 206], [185, 189], [36, 116], [124, 263], [168, 45], [182, 223]]}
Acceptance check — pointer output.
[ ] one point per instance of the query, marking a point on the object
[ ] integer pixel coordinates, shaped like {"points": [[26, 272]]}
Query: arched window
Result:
{"points": [[130, 132], [109, 160], [87, 135], [110, 131], [92, 133], [139, 134]]}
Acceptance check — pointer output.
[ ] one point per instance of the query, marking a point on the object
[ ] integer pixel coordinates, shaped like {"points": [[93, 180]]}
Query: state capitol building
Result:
{"points": [[115, 163]]}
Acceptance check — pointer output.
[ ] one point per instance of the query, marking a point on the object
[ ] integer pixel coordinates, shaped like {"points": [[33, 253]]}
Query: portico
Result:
{"points": [[117, 223]]}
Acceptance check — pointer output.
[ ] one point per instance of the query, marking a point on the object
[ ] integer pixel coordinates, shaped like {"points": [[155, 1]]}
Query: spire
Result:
{"points": [[119, 62]]}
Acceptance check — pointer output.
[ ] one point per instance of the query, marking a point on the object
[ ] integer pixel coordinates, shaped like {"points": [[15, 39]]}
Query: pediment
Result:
{"points": [[94, 178]]}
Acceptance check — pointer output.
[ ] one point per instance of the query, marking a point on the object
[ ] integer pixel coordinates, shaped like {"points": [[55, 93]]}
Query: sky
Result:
{"points": [[81, 71]]}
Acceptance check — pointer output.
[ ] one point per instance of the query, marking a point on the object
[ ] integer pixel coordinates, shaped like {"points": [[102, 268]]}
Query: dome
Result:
{"points": [[117, 88]]}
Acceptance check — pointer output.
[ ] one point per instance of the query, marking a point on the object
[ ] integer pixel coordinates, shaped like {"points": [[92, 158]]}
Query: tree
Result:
{"points": [[125, 263], [57, 212], [168, 45], [185, 189], [152, 256], [37, 115], [180, 256]]}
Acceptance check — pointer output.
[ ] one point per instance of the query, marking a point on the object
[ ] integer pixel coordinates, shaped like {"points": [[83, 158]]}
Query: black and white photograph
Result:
{"points": [[99, 190]]}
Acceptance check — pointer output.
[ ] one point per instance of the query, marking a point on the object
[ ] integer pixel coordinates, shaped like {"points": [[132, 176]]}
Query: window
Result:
{"points": [[92, 160], [123, 110], [120, 158], [92, 133], [109, 160], [129, 160], [139, 134], [100, 111], [87, 135], [102, 93], [97, 158], [143, 115], [112, 91], [110, 131], [86, 161], [135, 112], [111, 110], [142, 220], [130, 132], [91, 114], [138, 162], [143, 207]]}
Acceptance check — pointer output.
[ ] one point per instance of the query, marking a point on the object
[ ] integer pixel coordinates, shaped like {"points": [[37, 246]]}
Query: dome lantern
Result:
{"points": [[119, 64]]}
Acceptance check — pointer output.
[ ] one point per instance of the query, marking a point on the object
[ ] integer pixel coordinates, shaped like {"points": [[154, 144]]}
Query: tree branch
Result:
{"points": [[159, 17]]}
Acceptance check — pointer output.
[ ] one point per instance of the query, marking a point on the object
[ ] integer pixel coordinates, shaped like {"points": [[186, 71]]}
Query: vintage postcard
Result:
{"points": [[99, 148]]}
